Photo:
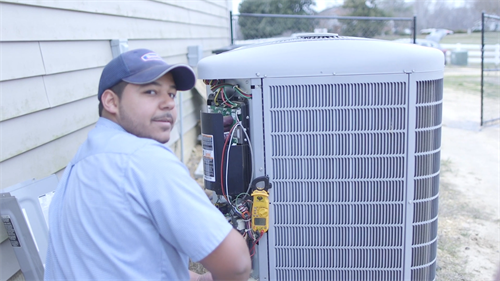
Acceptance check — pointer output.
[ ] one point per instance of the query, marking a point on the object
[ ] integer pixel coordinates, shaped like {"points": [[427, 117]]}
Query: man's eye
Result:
{"points": [[150, 92], [172, 95]]}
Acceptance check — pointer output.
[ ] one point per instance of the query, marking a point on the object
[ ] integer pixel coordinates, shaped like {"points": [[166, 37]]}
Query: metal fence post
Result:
{"points": [[231, 24], [482, 66], [414, 29]]}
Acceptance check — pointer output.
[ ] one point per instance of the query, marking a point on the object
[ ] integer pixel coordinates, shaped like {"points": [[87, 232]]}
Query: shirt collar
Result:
{"points": [[108, 124]]}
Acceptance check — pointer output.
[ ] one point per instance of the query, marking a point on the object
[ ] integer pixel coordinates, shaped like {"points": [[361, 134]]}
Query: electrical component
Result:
{"points": [[260, 211], [227, 159], [226, 140], [243, 210]]}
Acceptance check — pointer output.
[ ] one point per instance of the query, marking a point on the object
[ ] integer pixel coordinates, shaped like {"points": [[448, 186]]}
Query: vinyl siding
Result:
{"points": [[52, 54]]}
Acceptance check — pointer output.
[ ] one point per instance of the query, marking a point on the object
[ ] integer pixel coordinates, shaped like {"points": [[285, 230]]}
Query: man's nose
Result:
{"points": [[167, 101]]}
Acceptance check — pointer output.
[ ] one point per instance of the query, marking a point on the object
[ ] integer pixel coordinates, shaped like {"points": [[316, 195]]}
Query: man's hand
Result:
{"points": [[200, 277], [230, 260]]}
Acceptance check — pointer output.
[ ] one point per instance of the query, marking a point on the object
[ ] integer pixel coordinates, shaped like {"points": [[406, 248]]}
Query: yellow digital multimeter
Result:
{"points": [[260, 211]]}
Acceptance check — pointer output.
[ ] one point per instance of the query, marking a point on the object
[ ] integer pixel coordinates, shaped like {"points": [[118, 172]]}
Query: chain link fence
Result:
{"points": [[249, 28], [490, 69]]}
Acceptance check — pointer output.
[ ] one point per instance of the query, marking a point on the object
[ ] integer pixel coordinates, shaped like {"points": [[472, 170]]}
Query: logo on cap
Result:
{"points": [[151, 56]]}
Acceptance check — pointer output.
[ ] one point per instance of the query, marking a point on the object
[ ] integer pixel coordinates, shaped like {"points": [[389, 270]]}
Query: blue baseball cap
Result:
{"points": [[142, 66]]}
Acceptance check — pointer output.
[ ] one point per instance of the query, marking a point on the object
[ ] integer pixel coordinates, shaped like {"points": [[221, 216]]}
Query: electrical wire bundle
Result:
{"points": [[221, 90], [242, 198], [224, 187], [231, 96], [255, 242]]}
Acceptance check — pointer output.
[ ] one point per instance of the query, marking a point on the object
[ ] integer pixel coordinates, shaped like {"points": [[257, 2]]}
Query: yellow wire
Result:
{"points": [[215, 98]]}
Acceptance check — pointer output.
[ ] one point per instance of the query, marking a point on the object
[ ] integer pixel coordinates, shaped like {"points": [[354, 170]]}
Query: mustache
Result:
{"points": [[164, 117]]}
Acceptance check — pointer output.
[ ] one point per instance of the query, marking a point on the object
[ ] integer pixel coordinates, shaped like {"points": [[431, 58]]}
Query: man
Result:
{"points": [[126, 208]]}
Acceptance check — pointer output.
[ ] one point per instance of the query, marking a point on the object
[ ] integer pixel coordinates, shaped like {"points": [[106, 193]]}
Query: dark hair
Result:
{"points": [[118, 90]]}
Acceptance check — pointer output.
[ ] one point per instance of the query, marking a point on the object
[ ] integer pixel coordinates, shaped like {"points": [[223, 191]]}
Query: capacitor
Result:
{"points": [[227, 122]]}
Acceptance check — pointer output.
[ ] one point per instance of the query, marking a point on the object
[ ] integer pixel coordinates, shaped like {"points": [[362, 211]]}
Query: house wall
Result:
{"points": [[51, 57]]}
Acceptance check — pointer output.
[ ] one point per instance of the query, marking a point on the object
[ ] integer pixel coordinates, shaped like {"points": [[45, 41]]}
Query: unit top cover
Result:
{"points": [[320, 56]]}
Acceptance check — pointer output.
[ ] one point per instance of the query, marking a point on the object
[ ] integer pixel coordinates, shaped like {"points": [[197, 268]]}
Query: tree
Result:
{"points": [[440, 14], [491, 7], [398, 8], [363, 28], [259, 27]]}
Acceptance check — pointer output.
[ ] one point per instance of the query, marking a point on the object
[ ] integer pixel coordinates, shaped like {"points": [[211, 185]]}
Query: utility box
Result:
{"points": [[347, 132], [459, 57], [24, 209]]}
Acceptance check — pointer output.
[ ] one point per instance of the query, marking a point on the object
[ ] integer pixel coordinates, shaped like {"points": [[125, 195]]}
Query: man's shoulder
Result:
{"points": [[138, 147], [116, 141]]}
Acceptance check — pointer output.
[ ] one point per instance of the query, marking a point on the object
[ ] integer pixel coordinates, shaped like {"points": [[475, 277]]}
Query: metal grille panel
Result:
{"points": [[426, 182], [339, 169]]}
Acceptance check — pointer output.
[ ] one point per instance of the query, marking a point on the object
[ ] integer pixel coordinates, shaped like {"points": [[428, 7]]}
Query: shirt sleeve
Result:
{"points": [[177, 206]]}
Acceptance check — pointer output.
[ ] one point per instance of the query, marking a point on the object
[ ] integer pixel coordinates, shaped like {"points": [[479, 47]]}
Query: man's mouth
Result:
{"points": [[164, 119]]}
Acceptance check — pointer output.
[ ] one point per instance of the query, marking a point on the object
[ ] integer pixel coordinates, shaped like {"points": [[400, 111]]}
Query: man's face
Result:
{"points": [[148, 110]]}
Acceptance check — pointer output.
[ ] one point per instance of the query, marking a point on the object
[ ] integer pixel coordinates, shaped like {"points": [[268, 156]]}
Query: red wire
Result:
{"points": [[223, 92], [255, 243], [227, 102]]}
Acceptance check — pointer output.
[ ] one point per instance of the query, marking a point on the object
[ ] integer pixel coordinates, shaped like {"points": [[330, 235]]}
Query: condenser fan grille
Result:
{"points": [[337, 206], [341, 180], [426, 182]]}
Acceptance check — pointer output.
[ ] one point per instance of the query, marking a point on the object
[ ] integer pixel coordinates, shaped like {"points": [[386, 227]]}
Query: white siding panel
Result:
{"points": [[164, 48], [22, 96], [42, 161], [19, 59], [71, 86], [188, 122], [167, 48], [197, 12], [74, 55], [191, 106], [27, 132], [200, 5], [186, 95], [174, 135], [176, 59], [22, 22]]}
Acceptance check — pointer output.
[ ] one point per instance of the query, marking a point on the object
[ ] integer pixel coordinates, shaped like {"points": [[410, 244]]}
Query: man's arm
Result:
{"points": [[230, 260]]}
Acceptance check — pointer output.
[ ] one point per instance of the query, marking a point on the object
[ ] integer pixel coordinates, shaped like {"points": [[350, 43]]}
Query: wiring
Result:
{"points": [[238, 123], [225, 99], [230, 137], [251, 157], [221, 90], [222, 163], [252, 250], [230, 100]]}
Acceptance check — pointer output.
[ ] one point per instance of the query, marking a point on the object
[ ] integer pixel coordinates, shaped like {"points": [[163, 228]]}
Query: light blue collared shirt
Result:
{"points": [[127, 209]]}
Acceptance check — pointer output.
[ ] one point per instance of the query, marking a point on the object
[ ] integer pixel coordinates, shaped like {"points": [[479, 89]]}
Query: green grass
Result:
{"points": [[462, 38], [473, 38], [466, 83]]}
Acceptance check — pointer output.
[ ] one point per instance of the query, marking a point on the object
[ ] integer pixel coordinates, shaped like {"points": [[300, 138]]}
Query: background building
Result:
{"points": [[51, 57]]}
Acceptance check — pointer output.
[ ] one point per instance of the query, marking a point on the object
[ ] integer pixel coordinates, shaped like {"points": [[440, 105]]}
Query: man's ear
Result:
{"points": [[110, 101]]}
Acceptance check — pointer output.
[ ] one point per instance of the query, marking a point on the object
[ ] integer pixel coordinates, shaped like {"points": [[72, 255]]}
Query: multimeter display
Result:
{"points": [[260, 221]]}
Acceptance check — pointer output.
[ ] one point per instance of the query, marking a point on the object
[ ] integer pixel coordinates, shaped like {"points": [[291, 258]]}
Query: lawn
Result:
{"points": [[462, 38], [473, 38]]}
